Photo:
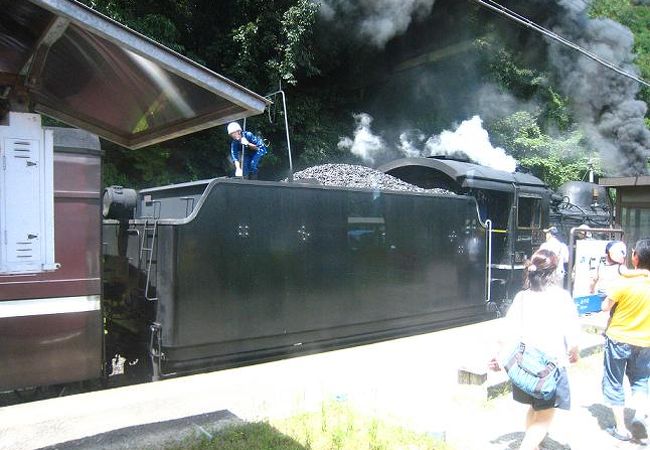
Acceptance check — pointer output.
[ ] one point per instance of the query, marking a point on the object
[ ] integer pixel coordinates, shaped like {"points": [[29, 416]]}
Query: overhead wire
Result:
{"points": [[494, 6]]}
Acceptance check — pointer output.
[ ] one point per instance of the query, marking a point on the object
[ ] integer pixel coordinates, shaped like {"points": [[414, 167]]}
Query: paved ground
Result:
{"points": [[412, 381]]}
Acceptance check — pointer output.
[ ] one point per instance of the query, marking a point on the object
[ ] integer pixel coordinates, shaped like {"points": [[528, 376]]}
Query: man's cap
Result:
{"points": [[553, 230], [233, 126], [617, 251]]}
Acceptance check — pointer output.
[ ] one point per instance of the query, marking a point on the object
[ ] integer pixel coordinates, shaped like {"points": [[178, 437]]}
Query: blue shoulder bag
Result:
{"points": [[532, 371]]}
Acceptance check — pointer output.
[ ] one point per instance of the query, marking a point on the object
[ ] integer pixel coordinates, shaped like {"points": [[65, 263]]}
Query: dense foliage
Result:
{"points": [[433, 75]]}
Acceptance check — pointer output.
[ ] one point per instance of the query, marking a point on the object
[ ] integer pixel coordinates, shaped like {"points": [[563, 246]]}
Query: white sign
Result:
{"points": [[589, 253]]}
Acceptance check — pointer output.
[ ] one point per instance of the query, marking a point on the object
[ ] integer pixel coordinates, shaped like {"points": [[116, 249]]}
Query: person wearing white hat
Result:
{"points": [[253, 148], [612, 270]]}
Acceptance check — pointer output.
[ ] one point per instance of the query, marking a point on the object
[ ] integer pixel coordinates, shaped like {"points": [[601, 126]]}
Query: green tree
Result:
{"points": [[554, 159], [254, 42]]}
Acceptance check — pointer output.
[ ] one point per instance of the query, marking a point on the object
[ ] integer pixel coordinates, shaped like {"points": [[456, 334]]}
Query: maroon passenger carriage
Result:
{"points": [[50, 318], [64, 60]]}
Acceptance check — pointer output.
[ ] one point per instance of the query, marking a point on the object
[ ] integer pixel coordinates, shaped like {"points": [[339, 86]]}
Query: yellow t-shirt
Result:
{"points": [[631, 320]]}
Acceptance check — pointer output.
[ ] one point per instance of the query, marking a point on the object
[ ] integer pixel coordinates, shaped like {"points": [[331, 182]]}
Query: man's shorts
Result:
{"points": [[562, 398], [624, 359]]}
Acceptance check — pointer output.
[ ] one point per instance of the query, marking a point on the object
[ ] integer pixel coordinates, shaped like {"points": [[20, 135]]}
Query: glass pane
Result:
{"points": [[529, 214], [93, 73]]}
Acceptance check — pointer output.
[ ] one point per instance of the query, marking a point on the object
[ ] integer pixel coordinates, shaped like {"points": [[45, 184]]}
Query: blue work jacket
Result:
{"points": [[235, 146]]}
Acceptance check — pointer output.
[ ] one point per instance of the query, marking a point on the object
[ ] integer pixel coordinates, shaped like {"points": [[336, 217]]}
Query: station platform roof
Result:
{"points": [[67, 61], [643, 180]]}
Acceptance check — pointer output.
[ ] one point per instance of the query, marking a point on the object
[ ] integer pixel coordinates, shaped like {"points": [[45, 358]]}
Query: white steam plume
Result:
{"points": [[468, 140], [365, 144], [376, 20], [471, 139]]}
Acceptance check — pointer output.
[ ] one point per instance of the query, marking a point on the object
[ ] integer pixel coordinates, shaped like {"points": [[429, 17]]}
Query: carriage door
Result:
{"points": [[26, 216]]}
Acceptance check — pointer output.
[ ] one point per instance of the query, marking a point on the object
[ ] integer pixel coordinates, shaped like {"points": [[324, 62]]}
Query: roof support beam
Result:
{"points": [[36, 61]]}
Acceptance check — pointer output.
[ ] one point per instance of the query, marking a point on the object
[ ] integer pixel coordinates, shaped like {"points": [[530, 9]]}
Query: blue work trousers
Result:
{"points": [[624, 359]]}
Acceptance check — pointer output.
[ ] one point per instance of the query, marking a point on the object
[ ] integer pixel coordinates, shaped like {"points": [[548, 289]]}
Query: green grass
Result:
{"points": [[248, 436], [337, 426]]}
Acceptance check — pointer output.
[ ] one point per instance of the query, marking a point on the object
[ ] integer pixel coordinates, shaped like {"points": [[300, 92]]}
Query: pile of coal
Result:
{"points": [[349, 175]]}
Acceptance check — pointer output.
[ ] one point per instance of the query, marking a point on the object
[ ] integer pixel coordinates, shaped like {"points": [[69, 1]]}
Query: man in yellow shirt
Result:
{"points": [[627, 346]]}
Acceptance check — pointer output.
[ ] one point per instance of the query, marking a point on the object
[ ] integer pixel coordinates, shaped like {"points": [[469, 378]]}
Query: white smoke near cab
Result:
{"points": [[409, 141], [364, 144], [472, 140], [376, 21], [468, 140]]}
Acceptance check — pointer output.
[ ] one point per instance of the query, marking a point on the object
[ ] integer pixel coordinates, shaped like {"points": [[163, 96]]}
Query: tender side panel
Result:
{"points": [[266, 268]]}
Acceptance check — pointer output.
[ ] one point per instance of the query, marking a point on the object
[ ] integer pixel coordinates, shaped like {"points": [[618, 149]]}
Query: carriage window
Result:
{"points": [[530, 212]]}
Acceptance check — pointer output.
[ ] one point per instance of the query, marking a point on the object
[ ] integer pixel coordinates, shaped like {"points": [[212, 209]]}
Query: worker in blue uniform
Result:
{"points": [[253, 148]]}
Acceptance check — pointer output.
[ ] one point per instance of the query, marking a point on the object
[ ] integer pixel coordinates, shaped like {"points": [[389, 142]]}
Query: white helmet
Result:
{"points": [[233, 126]]}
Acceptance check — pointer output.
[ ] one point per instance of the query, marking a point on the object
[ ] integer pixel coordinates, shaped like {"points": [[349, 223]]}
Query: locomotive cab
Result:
{"points": [[513, 207]]}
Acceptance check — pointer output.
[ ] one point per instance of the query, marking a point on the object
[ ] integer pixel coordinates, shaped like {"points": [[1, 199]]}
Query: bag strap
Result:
{"points": [[517, 357]]}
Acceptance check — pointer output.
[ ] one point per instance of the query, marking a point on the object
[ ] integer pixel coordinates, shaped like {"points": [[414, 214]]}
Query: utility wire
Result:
{"points": [[490, 4]]}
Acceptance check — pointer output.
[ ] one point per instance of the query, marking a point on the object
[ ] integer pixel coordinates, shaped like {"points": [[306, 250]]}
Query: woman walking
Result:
{"points": [[542, 316]]}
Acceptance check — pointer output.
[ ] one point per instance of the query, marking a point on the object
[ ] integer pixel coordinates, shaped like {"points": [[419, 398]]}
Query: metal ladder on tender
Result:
{"points": [[147, 246]]}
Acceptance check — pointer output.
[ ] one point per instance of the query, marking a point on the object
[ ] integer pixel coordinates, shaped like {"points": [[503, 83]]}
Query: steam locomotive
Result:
{"points": [[226, 271], [223, 272], [220, 272]]}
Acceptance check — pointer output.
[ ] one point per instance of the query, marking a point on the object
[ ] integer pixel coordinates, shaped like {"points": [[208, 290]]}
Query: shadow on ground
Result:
{"points": [[170, 434], [512, 441], [602, 414], [605, 418]]}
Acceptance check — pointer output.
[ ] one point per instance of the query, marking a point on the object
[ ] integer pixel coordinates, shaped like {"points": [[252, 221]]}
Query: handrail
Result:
{"points": [[286, 127], [488, 224]]}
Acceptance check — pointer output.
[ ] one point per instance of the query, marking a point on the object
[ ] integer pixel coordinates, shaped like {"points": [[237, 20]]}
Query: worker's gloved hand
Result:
{"points": [[239, 172], [244, 141]]}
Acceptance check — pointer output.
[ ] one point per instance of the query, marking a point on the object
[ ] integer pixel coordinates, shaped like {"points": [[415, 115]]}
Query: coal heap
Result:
{"points": [[355, 176]]}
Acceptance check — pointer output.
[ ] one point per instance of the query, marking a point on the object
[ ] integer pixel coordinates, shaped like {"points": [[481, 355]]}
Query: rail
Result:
{"points": [[286, 126], [146, 248], [488, 233], [488, 224]]}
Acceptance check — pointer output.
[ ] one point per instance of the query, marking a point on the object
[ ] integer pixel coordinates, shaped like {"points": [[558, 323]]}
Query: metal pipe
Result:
{"points": [[241, 155], [286, 128], [514, 232], [488, 224], [488, 234]]}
